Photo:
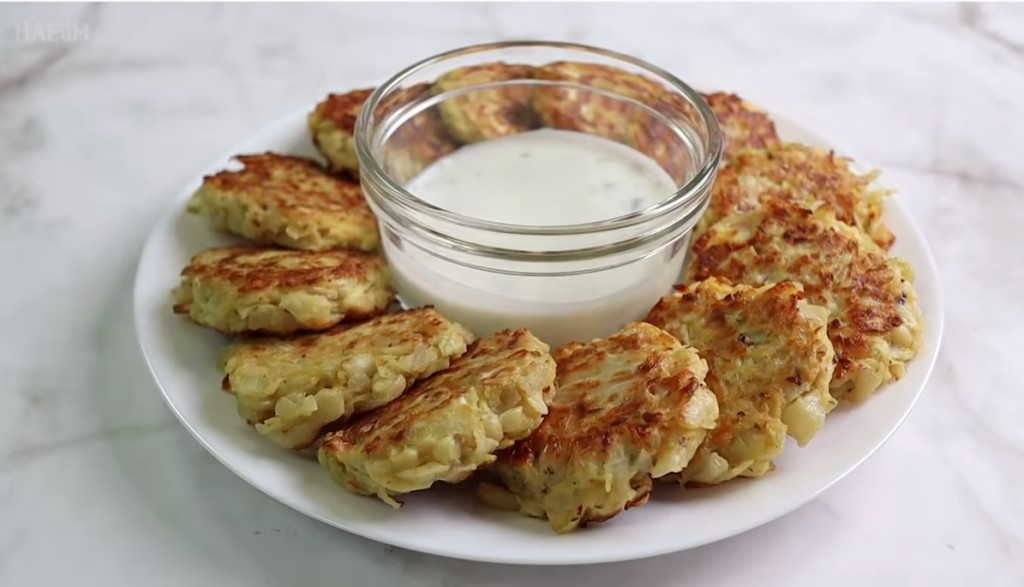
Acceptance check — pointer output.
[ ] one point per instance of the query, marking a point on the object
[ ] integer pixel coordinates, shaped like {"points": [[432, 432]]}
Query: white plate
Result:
{"points": [[447, 520]]}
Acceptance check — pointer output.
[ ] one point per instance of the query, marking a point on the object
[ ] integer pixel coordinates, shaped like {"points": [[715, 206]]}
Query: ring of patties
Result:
{"points": [[627, 408], [489, 113], [255, 289], [803, 174], [449, 425], [287, 201], [875, 324], [769, 364], [290, 388], [792, 304]]}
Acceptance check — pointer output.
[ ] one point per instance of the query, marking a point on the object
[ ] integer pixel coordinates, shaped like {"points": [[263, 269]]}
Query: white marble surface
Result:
{"points": [[100, 486]]}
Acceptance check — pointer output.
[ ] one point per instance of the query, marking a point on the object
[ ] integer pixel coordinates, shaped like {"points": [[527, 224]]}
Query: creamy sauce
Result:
{"points": [[544, 178], [539, 178]]}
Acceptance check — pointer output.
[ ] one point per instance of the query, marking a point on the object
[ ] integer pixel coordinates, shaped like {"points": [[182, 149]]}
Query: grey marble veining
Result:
{"points": [[98, 483]]}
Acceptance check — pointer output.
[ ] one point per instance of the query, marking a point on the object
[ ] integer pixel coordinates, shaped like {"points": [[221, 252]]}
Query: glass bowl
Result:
{"points": [[517, 267]]}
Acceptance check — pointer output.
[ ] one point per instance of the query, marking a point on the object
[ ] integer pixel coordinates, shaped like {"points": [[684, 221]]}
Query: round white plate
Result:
{"points": [[448, 520]]}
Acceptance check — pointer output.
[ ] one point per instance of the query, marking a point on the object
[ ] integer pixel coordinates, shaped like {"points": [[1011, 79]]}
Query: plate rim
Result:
{"points": [[167, 215]]}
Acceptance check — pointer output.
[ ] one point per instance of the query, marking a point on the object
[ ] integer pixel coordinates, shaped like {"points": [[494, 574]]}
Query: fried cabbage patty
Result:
{"points": [[447, 426], [579, 109], [291, 387], [805, 174], [769, 364], [576, 108], [486, 113], [627, 408], [744, 125], [256, 289], [420, 141], [875, 324], [332, 125], [287, 201]]}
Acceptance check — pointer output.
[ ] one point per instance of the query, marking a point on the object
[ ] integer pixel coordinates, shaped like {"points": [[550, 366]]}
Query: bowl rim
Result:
{"points": [[682, 197]]}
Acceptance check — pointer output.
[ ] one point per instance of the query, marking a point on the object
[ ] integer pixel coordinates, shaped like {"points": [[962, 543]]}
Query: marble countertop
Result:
{"points": [[106, 110]]}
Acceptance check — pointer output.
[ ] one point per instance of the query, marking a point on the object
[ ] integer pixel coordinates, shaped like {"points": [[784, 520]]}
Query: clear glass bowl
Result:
{"points": [[564, 282]]}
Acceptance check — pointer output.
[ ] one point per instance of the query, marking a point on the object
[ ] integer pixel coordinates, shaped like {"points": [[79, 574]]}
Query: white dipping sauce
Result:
{"points": [[539, 178], [544, 178]]}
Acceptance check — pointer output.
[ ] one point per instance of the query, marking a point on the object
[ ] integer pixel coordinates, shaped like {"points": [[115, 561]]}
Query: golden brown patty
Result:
{"points": [[801, 173], [660, 142], [420, 141], [447, 426], [875, 323], [586, 111], [744, 125], [491, 113], [332, 125], [255, 289], [581, 110], [417, 143], [769, 364], [287, 201], [628, 408], [291, 387]]}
